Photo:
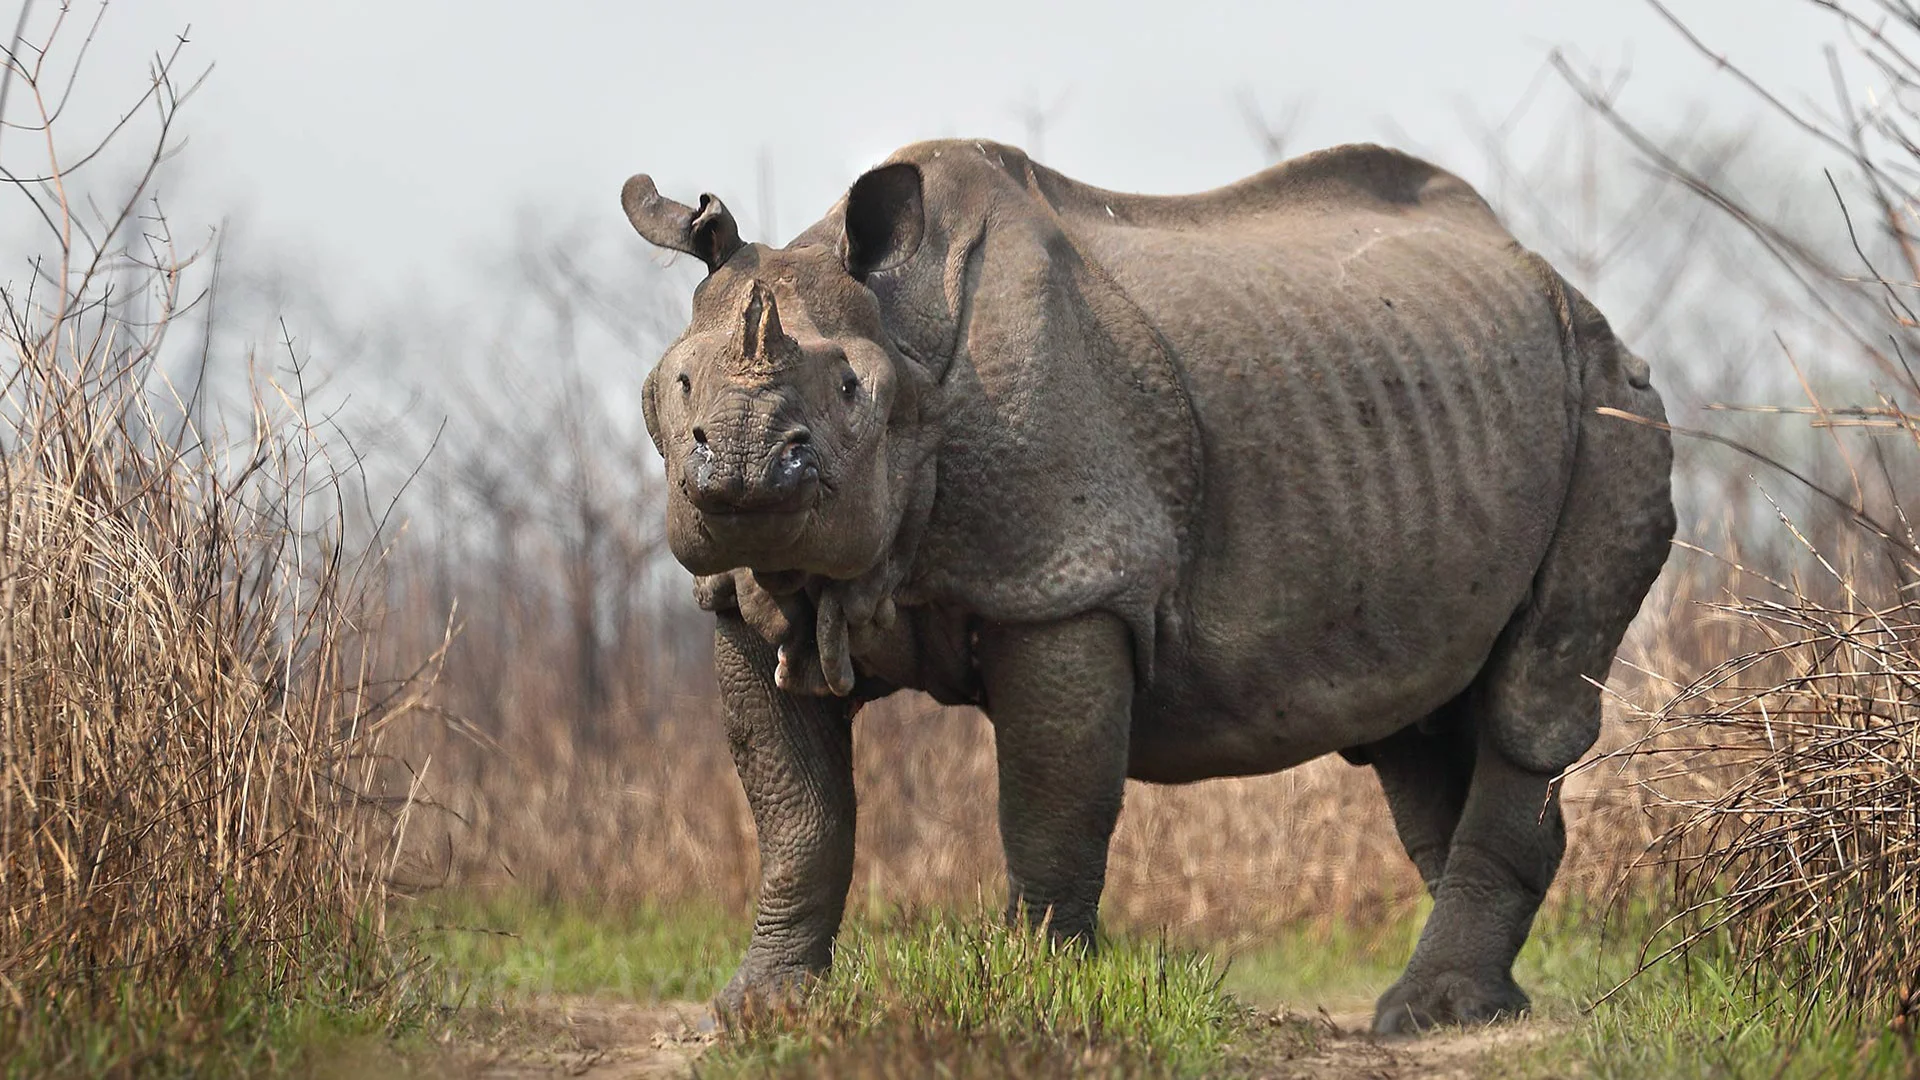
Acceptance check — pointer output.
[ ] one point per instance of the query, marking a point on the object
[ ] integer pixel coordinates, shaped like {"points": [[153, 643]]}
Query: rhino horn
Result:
{"points": [[764, 348], [708, 233]]}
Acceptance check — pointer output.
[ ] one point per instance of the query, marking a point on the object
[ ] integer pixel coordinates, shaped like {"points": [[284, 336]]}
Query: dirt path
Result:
{"points": [[1345, 1050], [601, 1040], [605, 1040]]}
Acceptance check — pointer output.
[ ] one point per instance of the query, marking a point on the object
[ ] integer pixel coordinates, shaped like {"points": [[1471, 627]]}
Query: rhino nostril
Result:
{"points": [[700, 435], [796, 448]]}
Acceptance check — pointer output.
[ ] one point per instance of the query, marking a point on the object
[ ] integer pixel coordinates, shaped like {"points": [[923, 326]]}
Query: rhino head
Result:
{"points": [[789, 421]]}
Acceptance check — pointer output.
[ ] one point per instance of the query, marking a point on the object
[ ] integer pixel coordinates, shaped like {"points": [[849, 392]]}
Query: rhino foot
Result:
{"points": [[754, 995], [1416, 1004]]}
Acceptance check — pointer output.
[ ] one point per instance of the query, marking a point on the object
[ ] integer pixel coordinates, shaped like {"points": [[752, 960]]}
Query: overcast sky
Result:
{"points": [[389, 140]]}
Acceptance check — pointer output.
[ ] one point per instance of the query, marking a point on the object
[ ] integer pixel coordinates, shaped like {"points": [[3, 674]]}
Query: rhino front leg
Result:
{"points": [[795, 758], [1060, 696]]}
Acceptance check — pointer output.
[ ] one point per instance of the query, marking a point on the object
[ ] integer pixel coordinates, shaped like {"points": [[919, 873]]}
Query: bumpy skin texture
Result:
{"points": [[1173, 487], [1059, 694], [795, 757]]}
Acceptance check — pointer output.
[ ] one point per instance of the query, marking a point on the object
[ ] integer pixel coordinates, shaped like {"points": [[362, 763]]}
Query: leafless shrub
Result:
{"points": [[1790, 770], [191, 698], [1796, 767]]}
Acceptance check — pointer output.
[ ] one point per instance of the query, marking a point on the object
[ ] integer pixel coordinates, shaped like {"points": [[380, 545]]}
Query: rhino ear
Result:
{"points": [[885, 219], [709, 232], [650, 408]]}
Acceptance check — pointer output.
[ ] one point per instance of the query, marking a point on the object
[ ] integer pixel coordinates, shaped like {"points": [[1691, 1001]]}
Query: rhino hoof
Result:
{"points": [[1413, 1005], [749, 998]]}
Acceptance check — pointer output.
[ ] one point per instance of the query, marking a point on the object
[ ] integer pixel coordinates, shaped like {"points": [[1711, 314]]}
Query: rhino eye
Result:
{"points": [[686, 384], [849, 383]]}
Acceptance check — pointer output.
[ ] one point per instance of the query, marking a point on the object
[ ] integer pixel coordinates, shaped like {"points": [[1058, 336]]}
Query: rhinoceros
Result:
{"points": [[1172, 487]]}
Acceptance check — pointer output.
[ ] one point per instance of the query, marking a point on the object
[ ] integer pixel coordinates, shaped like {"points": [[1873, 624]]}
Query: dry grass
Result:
{"points": [[664, 818], [1796, 771], [190, 704], [1788, 769]]}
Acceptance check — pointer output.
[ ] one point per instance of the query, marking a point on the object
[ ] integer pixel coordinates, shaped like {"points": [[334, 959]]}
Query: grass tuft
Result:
{"points": [[929, 988]]}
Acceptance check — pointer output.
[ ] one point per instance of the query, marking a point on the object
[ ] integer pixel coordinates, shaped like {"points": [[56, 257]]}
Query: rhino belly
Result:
{"points": [[1384, 467]]}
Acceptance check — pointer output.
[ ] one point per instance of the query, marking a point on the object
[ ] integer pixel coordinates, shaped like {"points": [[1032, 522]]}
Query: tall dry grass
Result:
{"points": [[1788, 768], [1791, 776], [192, 691]]}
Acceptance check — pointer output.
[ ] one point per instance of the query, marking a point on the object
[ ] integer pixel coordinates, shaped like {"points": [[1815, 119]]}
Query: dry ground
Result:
{"points": [[608, 1040]]}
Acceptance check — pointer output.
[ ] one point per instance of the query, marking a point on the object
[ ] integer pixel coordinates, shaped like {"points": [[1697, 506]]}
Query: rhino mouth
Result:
{"points": [[798, 500], [756, 533], [753, 513]]}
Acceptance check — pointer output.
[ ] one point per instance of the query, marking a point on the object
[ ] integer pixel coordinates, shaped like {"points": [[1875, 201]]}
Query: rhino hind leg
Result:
{"points": [[1533, 709], [1425, 771], [1503, 854]]}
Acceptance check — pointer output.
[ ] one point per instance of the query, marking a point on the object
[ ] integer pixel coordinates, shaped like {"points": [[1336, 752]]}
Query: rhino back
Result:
{"points": [[1387, 406]]}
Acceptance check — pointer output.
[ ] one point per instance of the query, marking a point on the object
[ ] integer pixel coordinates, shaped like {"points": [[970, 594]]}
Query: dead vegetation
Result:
{"points": [[1788, 766], [192, 692]]}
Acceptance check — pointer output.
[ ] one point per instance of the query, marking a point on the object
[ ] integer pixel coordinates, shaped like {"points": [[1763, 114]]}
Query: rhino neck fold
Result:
{"points": [[827, 622]]}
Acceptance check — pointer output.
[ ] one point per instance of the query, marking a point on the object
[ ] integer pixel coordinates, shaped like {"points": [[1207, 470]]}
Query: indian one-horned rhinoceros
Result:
{"points": [[1173, 488]]}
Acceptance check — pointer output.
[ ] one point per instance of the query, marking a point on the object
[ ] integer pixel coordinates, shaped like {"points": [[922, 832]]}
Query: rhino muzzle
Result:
{"points": [[783, 481]]}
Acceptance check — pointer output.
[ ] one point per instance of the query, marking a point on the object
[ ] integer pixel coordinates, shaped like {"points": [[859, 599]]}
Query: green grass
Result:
{"points": [[503, 944], [945, 988], [1338, 966], [962, 996], [1703, 1017], [957, 995], [1696, 1017]]}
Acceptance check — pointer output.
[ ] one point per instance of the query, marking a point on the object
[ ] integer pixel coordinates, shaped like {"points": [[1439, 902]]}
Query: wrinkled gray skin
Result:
{"points": [[1174, 488]]}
